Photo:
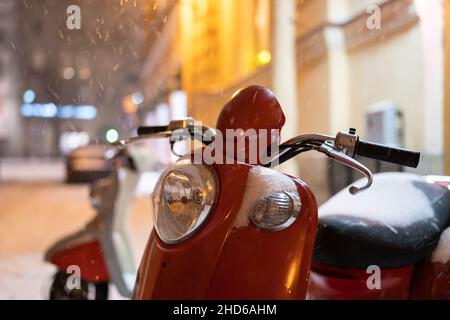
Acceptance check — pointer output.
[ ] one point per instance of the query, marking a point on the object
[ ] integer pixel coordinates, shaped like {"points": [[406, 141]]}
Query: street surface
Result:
{"points": [[35, 215]]}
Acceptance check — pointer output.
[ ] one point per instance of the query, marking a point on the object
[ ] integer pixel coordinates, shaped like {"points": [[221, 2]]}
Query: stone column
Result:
{"points": [[447, 88], [285, 70], [338, 80], [432, 25]]}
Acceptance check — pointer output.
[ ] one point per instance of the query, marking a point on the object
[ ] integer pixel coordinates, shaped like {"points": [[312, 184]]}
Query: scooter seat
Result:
{"points": [[397, 222]]}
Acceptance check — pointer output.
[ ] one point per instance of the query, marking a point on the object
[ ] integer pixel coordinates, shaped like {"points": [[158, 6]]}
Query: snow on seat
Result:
{"points": [[397, 222]]}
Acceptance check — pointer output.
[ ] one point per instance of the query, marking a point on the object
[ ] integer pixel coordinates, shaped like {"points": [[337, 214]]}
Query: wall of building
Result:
{"points": [[447, 88], [313, 116], [10, 133], [105, 56], [404, 65], [206, 106], [220, 42], [390, 70], [343, 68]]}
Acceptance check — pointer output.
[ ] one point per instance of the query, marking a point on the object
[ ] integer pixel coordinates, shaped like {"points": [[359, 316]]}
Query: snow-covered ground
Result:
{"points": [[36, 170], [35, 215]]}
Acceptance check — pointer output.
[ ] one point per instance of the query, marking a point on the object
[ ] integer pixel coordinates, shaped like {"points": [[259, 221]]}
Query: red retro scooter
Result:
{"points": [[241, 230]]}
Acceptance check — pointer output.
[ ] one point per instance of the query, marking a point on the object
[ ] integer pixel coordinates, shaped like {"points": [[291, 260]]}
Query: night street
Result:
{"points": [[224, 150]]}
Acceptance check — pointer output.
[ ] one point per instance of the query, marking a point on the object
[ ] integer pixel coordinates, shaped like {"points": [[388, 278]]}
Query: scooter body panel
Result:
{"points": [[88, 257], [332, 283], [185, 270], [222, 262], [114, 235], [432, 281], [258, 264], [102, 250]]}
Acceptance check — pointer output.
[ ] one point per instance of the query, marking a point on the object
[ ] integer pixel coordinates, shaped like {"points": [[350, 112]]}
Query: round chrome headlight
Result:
{"points": [[183, 199]]}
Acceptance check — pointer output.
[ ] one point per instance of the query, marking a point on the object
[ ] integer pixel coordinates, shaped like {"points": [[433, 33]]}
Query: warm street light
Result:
{"points": [[264, 57], [129, 105]]}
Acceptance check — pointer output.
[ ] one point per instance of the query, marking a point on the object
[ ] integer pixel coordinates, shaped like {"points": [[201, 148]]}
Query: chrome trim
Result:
{"points": [[185, 166], [309, 137], [295, 208], [349, 162]]}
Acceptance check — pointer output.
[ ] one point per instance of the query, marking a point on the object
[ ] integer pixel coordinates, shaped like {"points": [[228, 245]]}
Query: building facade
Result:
{"points": [[74, 71], [10, 122], [350, 56]]}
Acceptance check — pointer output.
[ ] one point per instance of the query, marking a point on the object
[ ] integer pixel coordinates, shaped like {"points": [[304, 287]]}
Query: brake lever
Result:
{"points": [[344, 159]]}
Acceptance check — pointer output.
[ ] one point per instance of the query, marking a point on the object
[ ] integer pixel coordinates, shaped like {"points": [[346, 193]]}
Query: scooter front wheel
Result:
{"points": [[86, 291]]}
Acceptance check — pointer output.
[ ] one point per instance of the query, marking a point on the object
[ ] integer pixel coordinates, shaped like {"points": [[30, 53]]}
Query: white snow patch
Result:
{"points": [[28, 277], [392, 200], [261, 181], [442, 251], [25, 277]]}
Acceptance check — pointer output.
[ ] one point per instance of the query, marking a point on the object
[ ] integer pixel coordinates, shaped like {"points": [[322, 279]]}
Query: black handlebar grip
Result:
{"points": [[142, 131], [399, 156]]}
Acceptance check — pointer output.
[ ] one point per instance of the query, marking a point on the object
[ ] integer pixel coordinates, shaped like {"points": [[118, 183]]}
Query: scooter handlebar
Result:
{"points": [[187, 126], [399, 156], [366, 149], [142, 131]]}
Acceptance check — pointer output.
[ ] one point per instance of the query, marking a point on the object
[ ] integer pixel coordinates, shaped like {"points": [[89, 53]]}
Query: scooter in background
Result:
{"points": [[241, 230], [100, 254]]}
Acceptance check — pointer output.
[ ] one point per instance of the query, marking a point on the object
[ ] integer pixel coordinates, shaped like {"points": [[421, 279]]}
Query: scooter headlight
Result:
{"points": [[182, 200], [276, 211]]}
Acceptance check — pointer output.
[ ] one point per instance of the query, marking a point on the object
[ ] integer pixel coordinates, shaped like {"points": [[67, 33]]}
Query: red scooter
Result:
{"points": [[238, 229]]}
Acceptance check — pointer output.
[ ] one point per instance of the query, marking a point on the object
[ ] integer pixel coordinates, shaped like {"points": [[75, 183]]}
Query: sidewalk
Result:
{"points": [[35, 215], [32, 170]]}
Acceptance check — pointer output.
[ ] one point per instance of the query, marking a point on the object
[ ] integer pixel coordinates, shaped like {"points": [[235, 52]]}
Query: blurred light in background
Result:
{"points": [[137, 98], [264, 57], [128, 105], [66, 112], [112, 135], [29, 96], [50, 110], [84, 73], [72, 140], [68, 73], [86, 112]]}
